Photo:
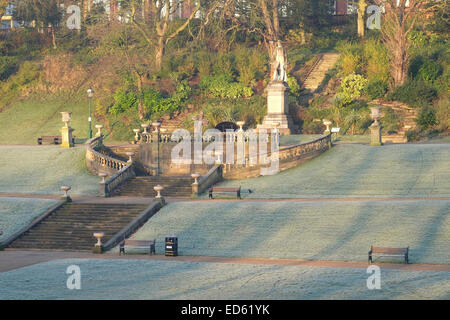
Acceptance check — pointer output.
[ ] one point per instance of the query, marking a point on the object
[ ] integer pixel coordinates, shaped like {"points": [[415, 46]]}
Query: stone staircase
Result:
{"points": [[169, 125], [143, 187], [71, 227], [407, 116], [318, 72]]}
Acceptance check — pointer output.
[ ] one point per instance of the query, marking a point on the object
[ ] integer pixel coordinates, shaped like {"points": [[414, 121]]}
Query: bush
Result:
{"points": [[426, 118], [8, 66], [351, 88], [294, 86], [443, 114], [377, 89], [222, 86], [225, 65], [414, 93], [425, 69], [251, 66]]}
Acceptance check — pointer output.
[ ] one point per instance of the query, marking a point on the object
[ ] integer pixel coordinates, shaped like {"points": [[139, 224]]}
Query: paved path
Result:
{"points": [[138, 200], [14, 259]]}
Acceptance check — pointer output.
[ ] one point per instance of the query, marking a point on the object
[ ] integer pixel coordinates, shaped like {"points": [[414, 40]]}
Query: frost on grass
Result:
{"points": [[140, 279], [44, 169], [360, 171], [16, 213], [307, 230]]}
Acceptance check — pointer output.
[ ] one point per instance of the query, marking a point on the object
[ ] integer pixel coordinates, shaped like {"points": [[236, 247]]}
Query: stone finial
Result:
{"points": [[136, 132], [99, 236], [103, 175], [241, 125], [99, 128], [130, 155], [66, 193], [195, 176], [158, 189]]}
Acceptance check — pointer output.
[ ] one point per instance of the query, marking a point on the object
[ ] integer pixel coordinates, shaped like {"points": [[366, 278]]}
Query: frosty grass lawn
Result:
{"points": [[307, 230], [361, 171], [44, 169], [140, 279], [16, 213]]}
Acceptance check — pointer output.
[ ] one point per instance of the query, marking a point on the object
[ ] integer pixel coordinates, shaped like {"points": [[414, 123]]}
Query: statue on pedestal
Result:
{"points": [[280, 64]]}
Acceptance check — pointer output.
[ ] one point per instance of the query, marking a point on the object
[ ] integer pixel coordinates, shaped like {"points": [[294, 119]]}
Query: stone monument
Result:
{"points": [[375, 128], [277, 96], [66, 131]]}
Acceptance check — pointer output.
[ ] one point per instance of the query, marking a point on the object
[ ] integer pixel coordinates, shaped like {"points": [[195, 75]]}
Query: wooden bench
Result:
{"points": [[138, 244], [236, 191], [388, 252], [52, 139]]}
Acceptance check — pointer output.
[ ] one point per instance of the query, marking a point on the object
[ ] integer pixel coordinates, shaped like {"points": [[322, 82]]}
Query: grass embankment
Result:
{"points": [[307, 230], [16, 213], [415, 170], [44, 169], [140, 279]]}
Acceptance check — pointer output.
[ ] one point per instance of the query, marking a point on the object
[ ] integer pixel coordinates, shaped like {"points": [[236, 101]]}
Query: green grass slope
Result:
{"points": [[25, 121], [16, 213], [415, 170], [44, 169], [308, 230]]}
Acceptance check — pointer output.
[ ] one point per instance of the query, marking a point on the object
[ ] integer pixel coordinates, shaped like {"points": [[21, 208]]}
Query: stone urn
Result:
{"points": [[375, 114], [327, 123], [195, 176], [103, 175], [158, 189], [130, 155], [66, 117], [99, 236], [66, 193], [99, 128], [145, 126], [157, 126]]}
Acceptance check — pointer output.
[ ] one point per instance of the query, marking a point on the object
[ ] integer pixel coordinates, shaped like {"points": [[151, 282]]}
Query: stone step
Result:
{"points": [[72, 226]]}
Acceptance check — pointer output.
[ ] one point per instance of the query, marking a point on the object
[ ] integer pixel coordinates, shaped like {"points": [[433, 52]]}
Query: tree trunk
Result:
{"points": [[362, 5], [140, 103], [53, 38], [159, 54]]}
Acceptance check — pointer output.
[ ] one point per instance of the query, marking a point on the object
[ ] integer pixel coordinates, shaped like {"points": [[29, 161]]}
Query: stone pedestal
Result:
{"points": [[66, 133], [375, 135], [278, 108]]}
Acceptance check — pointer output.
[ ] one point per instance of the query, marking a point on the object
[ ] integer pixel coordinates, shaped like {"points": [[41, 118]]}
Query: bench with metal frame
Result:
{"points": [[389, 252]]}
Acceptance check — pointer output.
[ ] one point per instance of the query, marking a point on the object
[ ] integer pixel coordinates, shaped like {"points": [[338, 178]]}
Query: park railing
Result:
{"points": [[116, 170]]}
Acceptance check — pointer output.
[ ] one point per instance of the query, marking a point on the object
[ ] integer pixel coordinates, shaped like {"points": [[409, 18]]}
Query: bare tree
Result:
{"points": [[398, 23], [156, 27]]}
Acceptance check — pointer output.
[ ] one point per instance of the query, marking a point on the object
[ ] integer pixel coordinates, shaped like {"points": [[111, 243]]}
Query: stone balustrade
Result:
{"points": [[213, 176], [119, 171]]}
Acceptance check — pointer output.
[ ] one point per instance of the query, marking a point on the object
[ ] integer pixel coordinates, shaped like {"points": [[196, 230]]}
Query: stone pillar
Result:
{"points": [[375, 135], [375, 128], [66, 131], [278, 108]]}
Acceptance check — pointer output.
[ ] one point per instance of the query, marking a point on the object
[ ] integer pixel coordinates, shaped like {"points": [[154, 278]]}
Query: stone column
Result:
{"points": [[66, 131]]}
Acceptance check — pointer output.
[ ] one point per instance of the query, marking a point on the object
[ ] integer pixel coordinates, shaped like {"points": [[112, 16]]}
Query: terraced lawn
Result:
{"points": [[140, 279], [308, 230], [44, 169], [415, 170], [16, 213]]}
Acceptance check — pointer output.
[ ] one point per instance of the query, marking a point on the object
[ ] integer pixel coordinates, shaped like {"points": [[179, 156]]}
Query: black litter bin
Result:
{"points": [[171, 246]]}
